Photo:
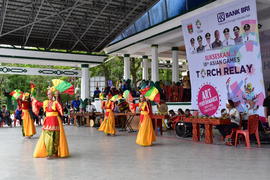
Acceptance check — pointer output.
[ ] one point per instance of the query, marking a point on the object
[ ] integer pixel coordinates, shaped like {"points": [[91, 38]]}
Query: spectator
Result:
{"points": [[187, 113], [116, 107], [266, 105], [75, 104], [18, 114], [234, 115], [5, 115], [90, 107], [180, 112], [96, 93], [172, 116]]}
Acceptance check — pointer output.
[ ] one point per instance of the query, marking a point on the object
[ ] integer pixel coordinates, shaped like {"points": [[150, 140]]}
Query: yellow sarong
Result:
{"points": [[40, 150]]}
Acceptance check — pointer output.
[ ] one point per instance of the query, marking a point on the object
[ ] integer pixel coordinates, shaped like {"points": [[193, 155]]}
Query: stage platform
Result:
{"points": [[96, 156]]}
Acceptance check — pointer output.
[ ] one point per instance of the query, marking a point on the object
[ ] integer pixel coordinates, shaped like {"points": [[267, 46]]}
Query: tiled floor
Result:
{"points": [[96, 156]]}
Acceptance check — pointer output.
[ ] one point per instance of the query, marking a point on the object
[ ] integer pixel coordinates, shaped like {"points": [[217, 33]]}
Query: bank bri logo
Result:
{"points": [[221, 17]]}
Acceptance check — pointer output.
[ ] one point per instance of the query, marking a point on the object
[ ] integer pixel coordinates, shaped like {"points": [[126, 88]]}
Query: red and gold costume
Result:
{"points": [[28, 127], [146, 135], [53, 139], [108, 124]]}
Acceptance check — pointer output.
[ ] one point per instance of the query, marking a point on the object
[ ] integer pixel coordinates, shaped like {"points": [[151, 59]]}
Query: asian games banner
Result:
{"points": [[223, 53]]}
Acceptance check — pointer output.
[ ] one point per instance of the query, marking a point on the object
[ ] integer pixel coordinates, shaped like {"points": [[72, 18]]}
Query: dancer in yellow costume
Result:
{"points": [[28, 127], [52, 142], [146, 135], [108, 124]]}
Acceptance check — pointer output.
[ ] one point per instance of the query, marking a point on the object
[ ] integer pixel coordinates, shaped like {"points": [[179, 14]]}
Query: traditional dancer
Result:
{"points": [[28, 127], [108, 124], [52, 142], [146, 135]]}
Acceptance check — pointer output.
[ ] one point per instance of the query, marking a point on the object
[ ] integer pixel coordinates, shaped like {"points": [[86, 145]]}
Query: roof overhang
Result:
{"points": [[22, 56], [169, 33]]}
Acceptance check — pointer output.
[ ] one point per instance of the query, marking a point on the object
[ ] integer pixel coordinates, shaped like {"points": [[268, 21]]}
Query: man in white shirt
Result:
{"points": [[248, 35], [208, 45], [90, 107], [228, 40], [192, 48]]}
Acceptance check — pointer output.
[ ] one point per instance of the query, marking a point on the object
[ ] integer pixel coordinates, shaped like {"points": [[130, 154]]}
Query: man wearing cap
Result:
{"points": [[217, 43], [228, 40], [192, 48], [238, 39], [248, 35], [208, 41], [200, 48]]}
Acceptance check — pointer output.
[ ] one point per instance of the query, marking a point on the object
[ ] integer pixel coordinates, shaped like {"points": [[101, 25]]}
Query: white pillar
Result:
{"points": [[145, 66], [154, 63], [175, 64], [126, 66], [85, 87]]}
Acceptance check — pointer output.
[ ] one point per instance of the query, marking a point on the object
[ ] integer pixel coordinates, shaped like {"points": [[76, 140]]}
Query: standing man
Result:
{"points": [[266, 105], [192, 48], [200, 48], [228, 40], [96, 93], [208, 41], [217, 43], [76, 104], [248, 35], [238, 39]]}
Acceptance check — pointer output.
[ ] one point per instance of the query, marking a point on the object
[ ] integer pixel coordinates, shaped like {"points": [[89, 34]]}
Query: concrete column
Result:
{"points": [[126, 66], [175, 64], [145, 66], [154, 63], [85, 87]]}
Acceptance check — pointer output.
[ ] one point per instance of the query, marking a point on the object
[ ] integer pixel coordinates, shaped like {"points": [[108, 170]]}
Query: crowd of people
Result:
{"points": [[170, 92]]}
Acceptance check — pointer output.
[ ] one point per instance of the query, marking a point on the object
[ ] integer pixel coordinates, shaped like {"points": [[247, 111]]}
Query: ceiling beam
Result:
{"points": [[41, 19], [120, 23], [31, 28], [4, 10], [63, 24], [91, 24], [63, 20]]}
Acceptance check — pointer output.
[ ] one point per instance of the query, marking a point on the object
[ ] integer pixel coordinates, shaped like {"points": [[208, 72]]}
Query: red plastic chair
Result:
{"points": [[253, 123], [231, 136]]}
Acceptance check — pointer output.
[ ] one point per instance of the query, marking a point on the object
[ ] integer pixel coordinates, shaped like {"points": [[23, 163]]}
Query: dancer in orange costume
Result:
{"points": [[52, 142], [146, 135], [28, 127], [108, 124]]}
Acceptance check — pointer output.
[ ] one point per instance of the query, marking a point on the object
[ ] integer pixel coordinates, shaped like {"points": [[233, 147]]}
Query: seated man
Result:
{"points": [[234, 115], [5, 114]]}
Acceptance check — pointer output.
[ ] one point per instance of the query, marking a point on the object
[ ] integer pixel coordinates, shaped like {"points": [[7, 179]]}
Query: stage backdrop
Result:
{"points": [[223, 53]]}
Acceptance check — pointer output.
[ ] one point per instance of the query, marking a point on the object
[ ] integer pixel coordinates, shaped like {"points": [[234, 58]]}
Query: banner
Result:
{"points": [[224, 58], [40, 71]]}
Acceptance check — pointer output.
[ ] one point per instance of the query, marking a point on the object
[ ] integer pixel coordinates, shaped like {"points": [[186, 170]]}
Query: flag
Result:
{"points": [[116, 97], [101, 96], [127, 95], [32, 89], [63, 86], [144, 90], [153, 94], [16, 94]]}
